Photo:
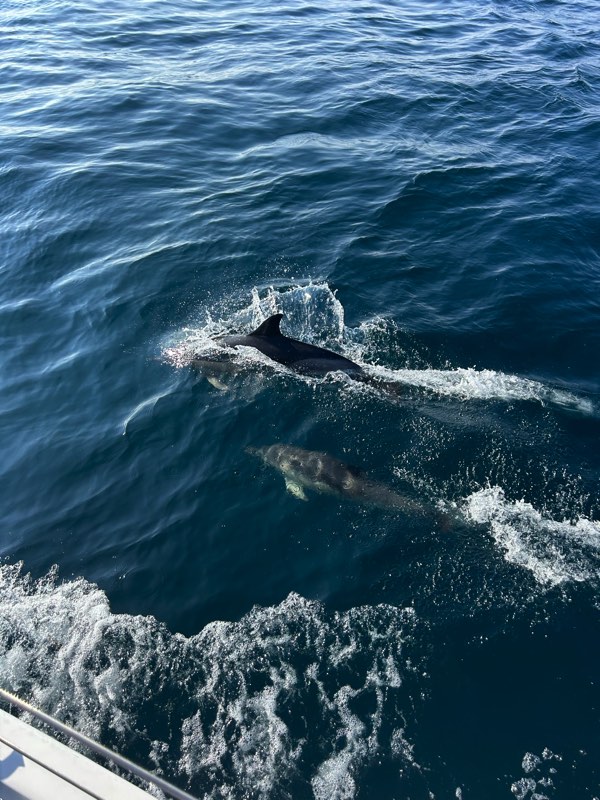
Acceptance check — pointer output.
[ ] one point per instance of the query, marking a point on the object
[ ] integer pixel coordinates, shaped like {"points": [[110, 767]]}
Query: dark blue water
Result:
{"points": [[416, 186]]}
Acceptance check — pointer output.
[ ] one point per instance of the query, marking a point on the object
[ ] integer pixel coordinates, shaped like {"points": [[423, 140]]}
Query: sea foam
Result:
{"points": [[232, 711], [553, 551]]}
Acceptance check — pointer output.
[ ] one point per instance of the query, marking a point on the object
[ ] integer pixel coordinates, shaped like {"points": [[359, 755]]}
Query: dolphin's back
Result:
{"points": [[320, 470], [328, 472], [302, 357]]}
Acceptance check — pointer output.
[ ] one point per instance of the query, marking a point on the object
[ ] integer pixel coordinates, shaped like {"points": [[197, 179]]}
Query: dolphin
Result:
{"points": [[321, 472], [304, 358], [217, 370]]}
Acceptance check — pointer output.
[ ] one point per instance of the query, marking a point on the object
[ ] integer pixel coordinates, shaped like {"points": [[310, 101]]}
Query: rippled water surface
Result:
{"points": [[415, 186]]}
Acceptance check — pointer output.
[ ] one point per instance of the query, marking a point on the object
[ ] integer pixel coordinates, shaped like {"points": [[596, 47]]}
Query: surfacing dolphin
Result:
{"points": [[304, 358], [307, 469]]}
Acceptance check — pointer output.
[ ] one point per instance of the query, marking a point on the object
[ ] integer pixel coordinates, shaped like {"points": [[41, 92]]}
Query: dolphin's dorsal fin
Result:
{"points": [[270, 327]]}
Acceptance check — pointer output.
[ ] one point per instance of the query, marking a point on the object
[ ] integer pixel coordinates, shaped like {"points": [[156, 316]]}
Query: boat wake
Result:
{"points": [[233, 711]]}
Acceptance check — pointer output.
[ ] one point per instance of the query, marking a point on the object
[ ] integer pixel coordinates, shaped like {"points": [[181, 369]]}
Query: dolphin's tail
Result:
{"points": [[385, 497]]}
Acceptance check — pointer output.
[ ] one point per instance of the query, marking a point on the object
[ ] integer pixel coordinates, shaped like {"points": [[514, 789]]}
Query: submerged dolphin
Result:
{"points": [[304, 358], [307, 469]]}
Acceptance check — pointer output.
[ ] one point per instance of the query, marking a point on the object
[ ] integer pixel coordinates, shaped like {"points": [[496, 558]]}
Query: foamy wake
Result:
{"points": [[289, 699], [314, 314], [555, 552], [486, 384]]}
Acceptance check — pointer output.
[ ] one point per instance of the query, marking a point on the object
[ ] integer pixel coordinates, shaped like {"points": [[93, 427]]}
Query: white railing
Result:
{"points": [[120, 761]]}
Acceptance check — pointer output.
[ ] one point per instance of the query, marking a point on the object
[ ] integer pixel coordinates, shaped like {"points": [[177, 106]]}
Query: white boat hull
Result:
{"points": [[34, 766]]}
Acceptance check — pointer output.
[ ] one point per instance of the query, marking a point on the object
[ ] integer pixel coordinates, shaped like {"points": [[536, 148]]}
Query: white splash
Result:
{"points": [[555, 552], [312, 313]]}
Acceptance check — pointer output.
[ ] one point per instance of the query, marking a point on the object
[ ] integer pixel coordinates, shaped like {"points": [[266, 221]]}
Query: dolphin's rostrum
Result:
{"points": [[321, 472]]}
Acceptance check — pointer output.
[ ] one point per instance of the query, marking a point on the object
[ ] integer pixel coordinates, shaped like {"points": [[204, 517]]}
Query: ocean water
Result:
{"points": [[414, 185]]}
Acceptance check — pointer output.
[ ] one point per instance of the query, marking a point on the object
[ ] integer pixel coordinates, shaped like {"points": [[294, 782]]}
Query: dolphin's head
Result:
{"points": [[259, 452], [276, 455]]}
